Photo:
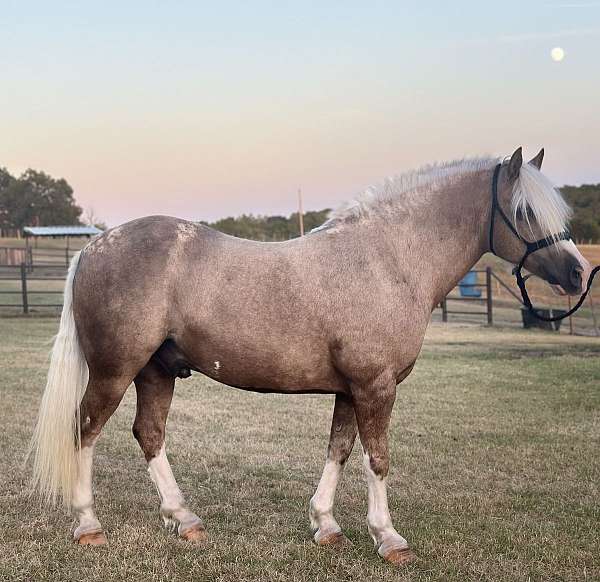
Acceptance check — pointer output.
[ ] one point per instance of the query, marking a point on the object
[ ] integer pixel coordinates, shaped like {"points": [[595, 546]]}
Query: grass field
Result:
{"points": [[495, 472]]}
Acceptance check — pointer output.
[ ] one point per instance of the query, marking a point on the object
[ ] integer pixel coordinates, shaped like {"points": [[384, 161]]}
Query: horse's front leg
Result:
{"points": [[341, 440], [373, 403]]}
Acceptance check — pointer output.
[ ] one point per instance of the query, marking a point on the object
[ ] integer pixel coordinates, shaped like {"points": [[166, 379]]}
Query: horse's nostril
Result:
{"points": [[575, 276]]}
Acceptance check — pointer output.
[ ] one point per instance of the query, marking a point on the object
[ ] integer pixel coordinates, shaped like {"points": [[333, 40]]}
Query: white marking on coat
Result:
{"points": [[186, 231], [83, 496], [569, 247], [379, 521], [172, 504], [321, 505]]}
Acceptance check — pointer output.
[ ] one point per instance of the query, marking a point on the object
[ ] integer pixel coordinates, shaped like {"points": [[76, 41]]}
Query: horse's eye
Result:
{"points": [[528, 214]]}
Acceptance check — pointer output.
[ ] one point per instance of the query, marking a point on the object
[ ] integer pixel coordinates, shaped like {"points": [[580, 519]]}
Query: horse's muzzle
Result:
{"points": [[575, 280]]}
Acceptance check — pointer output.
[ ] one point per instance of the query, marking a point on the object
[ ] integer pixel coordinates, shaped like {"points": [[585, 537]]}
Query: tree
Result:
{"points": [[269, 228], [585, 228], [312, 219], [36, 198], [6, 181], [585, 201], [90, 218], [277, 228]]}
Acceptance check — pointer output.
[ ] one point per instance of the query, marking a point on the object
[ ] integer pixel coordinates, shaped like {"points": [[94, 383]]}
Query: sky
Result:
{"points": [[209, 109]]}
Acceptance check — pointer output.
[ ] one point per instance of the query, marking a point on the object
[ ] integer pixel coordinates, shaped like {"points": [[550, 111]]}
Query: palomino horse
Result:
{"points": [[340, 311]]}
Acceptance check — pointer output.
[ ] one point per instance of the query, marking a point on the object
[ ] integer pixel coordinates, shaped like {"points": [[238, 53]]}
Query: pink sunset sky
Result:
{"points": [[204, 111]]}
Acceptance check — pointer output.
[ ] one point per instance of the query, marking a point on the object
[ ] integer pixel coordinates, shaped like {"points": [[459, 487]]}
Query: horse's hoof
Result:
{"points": [[95, 538], [195, 534], [336, 539], [400, 557]]}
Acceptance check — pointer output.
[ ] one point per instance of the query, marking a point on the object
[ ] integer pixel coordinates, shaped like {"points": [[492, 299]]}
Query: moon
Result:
{"points": [[557, 54]]}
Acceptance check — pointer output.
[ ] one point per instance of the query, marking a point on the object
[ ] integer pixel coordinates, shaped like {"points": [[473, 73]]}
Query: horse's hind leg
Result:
{"points": [[101, 398], [154, 388], [341, 440]]}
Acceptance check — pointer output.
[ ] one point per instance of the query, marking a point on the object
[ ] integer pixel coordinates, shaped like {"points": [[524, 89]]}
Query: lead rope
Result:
{"points": [[534, 311]]}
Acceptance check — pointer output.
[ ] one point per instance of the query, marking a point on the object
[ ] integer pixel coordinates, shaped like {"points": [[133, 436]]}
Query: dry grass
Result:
{"points": [[495, 472], [591, 253]]}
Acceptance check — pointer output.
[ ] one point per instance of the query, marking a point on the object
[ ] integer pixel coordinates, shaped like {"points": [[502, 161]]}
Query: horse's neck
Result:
{"points": [[439, 240]]}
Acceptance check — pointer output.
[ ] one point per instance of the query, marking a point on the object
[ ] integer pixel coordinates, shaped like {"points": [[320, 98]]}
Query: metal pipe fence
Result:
{"points": [[19, 287], [485, 298]]}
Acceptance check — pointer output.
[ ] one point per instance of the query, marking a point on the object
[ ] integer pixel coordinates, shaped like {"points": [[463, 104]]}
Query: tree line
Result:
{"points": [[269, 228], [35, 198], [585, 201]]}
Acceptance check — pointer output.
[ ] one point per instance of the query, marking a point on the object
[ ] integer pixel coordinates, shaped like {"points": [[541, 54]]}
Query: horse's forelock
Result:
{"points": [[535, 191]]}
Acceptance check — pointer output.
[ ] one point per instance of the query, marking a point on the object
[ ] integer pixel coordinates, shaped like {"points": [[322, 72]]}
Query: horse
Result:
{"points": [[341, 311]]}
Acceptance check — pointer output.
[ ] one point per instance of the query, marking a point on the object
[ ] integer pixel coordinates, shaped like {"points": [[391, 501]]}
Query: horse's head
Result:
{"points": [[527, 200]]}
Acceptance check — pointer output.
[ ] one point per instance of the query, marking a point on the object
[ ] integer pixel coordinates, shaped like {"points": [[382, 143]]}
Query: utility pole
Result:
{"points": [[300, 213]]}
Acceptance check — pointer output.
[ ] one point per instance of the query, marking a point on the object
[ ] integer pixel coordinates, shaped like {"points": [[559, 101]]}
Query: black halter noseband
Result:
{"points": [[530, 247]]}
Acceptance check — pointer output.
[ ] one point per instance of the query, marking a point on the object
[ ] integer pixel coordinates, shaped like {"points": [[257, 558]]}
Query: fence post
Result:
{"points": [[24, 288], [444, 311], [591, 300], [489, 297]]}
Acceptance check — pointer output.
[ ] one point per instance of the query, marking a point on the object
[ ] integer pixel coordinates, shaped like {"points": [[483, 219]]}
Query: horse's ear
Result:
{"points": [[537, 161], [514, 166]]}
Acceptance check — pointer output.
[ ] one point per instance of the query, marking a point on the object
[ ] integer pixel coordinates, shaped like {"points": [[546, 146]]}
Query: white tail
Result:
{"points": [[56, 436]]}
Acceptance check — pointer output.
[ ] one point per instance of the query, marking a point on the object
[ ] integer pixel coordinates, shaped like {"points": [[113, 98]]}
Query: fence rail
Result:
{"points": [[487, 299], [22, 297], [34, 256]]}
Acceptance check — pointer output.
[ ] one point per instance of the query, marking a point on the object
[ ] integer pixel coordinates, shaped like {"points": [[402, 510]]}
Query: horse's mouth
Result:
{"points": [[557, 289]]}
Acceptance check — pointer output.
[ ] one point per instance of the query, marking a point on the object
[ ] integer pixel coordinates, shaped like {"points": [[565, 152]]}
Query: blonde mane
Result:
{"points": [[533, 194], [403, 189]]}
